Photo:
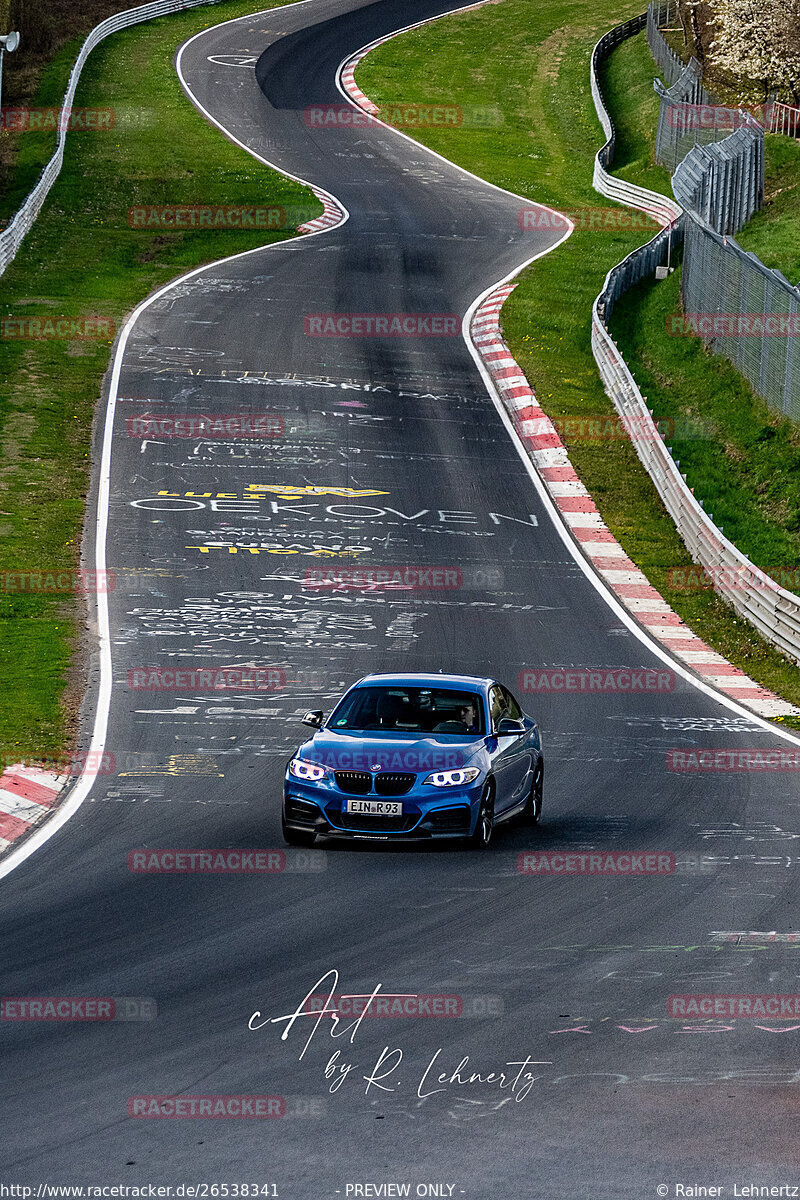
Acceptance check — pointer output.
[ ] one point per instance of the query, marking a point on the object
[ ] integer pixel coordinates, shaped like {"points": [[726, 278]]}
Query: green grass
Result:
{"points": [[745, 465], [626, 80], [33, 149], [81, 259], [533, 63]]}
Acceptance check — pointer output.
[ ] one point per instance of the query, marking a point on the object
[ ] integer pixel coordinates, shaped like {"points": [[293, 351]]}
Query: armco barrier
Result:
{"points": [[665, 211], [771, 609], [12, 236]]}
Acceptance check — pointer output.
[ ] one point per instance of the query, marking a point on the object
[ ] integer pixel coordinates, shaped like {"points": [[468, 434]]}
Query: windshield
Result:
{"points": [[410, 710]]}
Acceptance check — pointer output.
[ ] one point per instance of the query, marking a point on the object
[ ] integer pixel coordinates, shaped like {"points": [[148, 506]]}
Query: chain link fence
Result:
{"points": [[742, 309], [723, 184], [670, 64], [774, 611], [687, 116]]}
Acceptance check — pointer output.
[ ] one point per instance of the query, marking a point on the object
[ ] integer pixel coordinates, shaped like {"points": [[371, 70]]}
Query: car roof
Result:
{"points": [[425, 678]]}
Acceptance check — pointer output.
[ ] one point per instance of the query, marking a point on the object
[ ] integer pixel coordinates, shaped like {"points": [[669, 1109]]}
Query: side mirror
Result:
{"points": [[510, 728], [314, 719]]}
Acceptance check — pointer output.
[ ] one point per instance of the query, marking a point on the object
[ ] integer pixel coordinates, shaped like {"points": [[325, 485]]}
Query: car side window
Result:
{"points": [[512, 709], [496, 705]]}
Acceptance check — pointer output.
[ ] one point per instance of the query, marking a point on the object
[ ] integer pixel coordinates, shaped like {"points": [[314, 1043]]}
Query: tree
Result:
{"points": [[758, 40]]}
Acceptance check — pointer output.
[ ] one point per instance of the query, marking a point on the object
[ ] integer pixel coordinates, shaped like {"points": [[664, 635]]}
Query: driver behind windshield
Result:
{"points": [[468, 715]]}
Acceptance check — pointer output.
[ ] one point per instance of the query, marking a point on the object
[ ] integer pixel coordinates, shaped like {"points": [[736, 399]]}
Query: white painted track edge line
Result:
{"points": [[364, 50], [85, 782], [555, 514], [583, 562]]}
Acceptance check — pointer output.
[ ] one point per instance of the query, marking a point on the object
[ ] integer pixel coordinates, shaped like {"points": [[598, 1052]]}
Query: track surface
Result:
{"points": [[613, 1112]]}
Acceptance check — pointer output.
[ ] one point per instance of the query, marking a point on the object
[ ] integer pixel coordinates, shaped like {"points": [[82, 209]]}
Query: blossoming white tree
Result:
{"points": [[758, 40]]}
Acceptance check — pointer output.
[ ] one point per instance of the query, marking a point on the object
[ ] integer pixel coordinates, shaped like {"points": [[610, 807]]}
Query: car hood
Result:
{"points": [[385, 752]]}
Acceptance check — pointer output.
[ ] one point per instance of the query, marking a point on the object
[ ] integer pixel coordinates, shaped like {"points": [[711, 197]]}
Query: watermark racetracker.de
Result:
{"points": [[206, 679], [227, 861], [78, 1008], [715, 759], [403, 116], [23, 328], [595, 680], [206, 426], [385, 324]]}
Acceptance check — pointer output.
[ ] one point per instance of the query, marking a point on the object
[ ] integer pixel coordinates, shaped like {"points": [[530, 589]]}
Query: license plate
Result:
{"points": [[376, 808]]}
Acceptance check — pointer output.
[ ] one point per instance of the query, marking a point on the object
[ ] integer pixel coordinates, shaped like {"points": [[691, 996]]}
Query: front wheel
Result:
{"points": [[484, 829], [532, 812]]}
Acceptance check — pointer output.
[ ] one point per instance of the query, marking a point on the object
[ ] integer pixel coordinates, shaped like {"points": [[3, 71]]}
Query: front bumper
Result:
{"points": [[425, 817]]}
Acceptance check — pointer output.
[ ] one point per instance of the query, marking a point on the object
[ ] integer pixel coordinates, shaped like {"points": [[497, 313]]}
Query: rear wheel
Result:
{"points": [[484, 828], [532, 812]]}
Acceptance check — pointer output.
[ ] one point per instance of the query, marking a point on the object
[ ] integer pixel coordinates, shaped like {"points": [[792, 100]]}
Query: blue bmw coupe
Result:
{"points": [[415, 757]]}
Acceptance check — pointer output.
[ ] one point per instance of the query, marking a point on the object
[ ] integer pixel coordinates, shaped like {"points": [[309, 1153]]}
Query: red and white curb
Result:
{"points": [[632, 587], [347, 70], [333, 214], [549, 456], [349, 83], [28, 796]]}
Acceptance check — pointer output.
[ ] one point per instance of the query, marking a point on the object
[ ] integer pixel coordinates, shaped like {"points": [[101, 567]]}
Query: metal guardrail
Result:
{"points": [[12, 236], [660, 207], [773, 611]]}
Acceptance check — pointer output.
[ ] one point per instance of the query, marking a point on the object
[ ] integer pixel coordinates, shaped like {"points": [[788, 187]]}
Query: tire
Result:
{"points": [[532, 812], [484, 827], [297, 837]]}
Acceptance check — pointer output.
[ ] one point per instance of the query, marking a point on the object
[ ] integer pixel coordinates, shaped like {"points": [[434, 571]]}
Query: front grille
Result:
{"points": [[393, 783], [357, 783], [449, 820], [370, 823]]}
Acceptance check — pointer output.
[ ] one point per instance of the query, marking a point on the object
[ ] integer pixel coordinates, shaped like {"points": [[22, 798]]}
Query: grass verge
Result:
{"points": [[533, 64], [45, 28], [83, 259]]}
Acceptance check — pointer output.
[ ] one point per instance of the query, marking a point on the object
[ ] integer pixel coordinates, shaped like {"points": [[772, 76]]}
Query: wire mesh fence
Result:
{"points": [[743, 311], [670, 64], [723, 183], [688, 117]]}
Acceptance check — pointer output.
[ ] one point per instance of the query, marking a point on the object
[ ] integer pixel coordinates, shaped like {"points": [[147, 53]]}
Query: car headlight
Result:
{"points": [[307, 771], [453, 778]]}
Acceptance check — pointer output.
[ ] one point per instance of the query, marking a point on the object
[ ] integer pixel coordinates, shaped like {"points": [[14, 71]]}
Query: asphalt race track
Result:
{"points": [[212, 544]]}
